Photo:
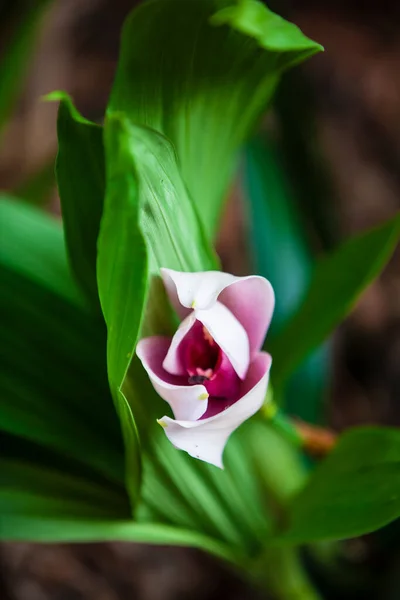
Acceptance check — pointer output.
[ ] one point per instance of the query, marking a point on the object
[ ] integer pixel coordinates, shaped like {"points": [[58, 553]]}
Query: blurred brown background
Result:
{"points": [[355, 86]]}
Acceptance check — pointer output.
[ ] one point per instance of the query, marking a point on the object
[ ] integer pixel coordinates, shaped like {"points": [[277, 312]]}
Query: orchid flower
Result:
{"points": [[211, 372]]}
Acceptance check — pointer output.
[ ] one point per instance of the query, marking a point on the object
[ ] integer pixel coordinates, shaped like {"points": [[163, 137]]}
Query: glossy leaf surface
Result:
{"points": [[66, 409], [337, 282], [201, 73], [354, 491], [80, 171]]}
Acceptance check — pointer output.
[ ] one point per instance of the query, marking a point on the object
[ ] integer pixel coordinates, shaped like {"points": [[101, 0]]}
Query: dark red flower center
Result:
{"points": [[199, 353], [205, 363]]}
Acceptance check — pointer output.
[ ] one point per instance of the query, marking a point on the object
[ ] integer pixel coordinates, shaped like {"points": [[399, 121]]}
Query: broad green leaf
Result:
{"points": [[354, 491], [142, 217], [38, 485], [167, 218], [53, 384], [16, 55], [201, 73], [47, 264], [122, 277], [44, 485], [338, 280], [52, 381], [62, 455], [80, 173], [281, 254], [143, 184], [28, 528]]}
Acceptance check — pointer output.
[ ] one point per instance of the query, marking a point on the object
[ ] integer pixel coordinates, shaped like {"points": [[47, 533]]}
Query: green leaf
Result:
{"points": [[47, 264], [143, 185], [142, 217], [27, 527], [201, 73], [62, 456], [39, 484], [16, 55], [167, 218], [337, 282], [40, 487], [80, 171], [122, 277], [281, 254], [354, 491], [53, 384]]}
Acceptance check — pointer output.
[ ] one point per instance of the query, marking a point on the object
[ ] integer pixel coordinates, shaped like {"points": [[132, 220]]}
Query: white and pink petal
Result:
{"points": [[195, 290], [251, 299], [188, 402], [229, 334], [206, 438], [172, 361]]}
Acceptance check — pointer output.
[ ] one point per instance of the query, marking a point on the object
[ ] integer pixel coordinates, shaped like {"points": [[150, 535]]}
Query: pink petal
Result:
{"points": [[172, 362], [206, 439], [188, 402], [250, 299], [229, 334]]}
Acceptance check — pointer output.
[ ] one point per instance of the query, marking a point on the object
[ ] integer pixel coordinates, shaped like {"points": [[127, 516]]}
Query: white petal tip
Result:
{"points": [[162, 423], [204, 396], [215, 462]]}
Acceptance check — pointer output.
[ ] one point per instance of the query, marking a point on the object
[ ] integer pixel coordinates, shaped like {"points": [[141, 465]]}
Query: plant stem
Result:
{"points": [[278, 570], [280, 573]]}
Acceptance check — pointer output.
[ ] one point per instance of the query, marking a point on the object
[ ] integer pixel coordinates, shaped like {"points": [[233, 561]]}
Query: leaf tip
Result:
{"points": [[54, 96]]}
